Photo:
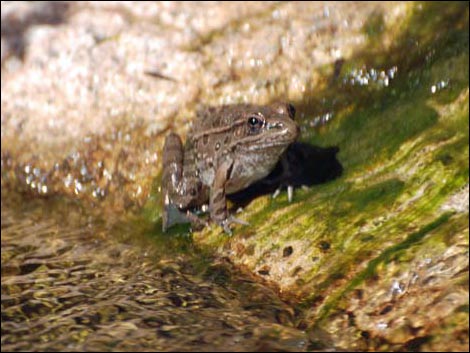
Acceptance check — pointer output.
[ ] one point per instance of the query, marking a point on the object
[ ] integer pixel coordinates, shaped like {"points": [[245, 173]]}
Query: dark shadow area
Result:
{"points": [[14, 26], [392, 107], [303, 164]]}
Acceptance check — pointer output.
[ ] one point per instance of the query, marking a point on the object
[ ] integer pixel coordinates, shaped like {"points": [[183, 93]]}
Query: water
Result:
{"points": [[72, 282]]}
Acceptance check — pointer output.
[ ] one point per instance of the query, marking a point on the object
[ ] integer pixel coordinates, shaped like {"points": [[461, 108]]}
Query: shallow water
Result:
{"points": [[71, 282]]}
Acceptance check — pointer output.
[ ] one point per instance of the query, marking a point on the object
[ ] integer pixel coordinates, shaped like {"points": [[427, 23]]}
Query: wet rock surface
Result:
{"points": [[372, 254]]}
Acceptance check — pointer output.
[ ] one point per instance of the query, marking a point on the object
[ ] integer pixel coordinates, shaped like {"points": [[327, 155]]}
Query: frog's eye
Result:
{"points": [[253, 120], [254, 123]]}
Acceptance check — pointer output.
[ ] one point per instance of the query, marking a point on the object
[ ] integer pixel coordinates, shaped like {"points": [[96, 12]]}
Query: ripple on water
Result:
{"points": [[73, 283]]}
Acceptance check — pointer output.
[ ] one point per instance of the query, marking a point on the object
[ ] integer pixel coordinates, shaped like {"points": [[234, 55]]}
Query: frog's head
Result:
{"points": [[269, 127], [261, 134]]}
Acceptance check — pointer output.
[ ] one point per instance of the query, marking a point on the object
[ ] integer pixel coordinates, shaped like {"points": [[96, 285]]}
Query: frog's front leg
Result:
{"points": [[217, 199]]}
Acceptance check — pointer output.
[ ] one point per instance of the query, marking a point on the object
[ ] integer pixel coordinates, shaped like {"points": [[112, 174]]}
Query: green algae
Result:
{"points": [[404, 149], [384, 257]]}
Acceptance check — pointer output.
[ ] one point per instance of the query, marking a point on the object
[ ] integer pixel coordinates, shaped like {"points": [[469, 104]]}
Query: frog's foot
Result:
{"points": [[171, 216], [290, 192], [196, 222], [225, 224]]}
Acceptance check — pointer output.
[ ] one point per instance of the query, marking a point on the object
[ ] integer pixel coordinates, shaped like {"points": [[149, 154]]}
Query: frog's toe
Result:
{"points": [[232, 219], [225, 224], [290, 192], [276, 192]]}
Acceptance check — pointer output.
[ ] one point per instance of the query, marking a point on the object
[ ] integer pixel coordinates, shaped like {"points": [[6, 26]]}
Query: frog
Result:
{"points": [[228, 148]]}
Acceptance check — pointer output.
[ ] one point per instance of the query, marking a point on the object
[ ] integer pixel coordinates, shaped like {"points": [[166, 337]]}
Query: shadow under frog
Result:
{"points": [[302, 164]]}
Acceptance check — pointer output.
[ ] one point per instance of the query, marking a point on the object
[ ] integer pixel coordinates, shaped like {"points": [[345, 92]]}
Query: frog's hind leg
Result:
{"points": [[180, 187], [172, 162], [171, 180]]}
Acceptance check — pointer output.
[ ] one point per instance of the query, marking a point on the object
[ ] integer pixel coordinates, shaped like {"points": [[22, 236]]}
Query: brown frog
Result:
{"points": [[227, 149]]}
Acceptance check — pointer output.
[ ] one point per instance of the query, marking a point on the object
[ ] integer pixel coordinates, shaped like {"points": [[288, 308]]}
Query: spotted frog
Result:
{"points": [[228, 148]]}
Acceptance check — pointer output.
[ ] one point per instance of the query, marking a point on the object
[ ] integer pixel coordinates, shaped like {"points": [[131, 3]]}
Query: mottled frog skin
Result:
{"points": [[227, 149]]}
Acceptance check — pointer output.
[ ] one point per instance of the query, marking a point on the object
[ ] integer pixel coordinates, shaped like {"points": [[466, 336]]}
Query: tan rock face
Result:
{"points": [[74, 82]]}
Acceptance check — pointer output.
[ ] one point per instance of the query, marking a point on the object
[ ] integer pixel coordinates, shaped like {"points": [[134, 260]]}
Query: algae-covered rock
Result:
{"points": [[379, 257], [374, 257]]}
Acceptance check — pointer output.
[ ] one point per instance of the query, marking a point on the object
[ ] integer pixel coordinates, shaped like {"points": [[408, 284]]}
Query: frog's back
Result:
{"points": [[215, 128], [211, 133], [224, 116]]}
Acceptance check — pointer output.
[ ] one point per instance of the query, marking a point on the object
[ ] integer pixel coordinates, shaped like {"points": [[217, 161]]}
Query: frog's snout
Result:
{"points": [[291, 129]]}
